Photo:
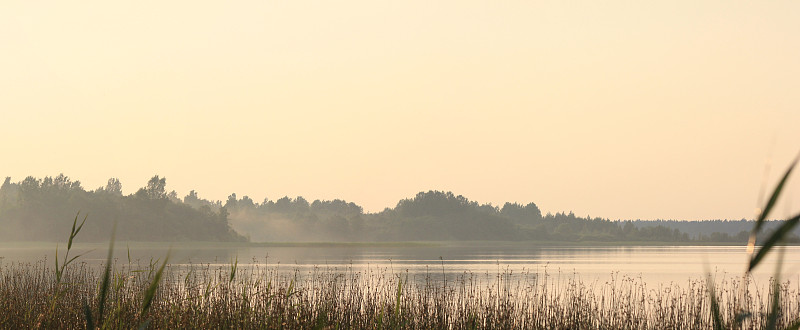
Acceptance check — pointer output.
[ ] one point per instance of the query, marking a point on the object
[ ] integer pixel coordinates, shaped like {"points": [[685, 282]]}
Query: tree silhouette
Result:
{"points": [[156, 188], [114, 187]]}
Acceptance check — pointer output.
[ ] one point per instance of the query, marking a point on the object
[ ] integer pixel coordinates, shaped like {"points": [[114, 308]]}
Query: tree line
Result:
{"points": [[429, 216], [42, 209]]}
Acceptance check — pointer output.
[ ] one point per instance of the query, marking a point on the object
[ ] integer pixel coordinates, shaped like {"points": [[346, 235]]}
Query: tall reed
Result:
{"points": [[756, 254], [202, 296]]}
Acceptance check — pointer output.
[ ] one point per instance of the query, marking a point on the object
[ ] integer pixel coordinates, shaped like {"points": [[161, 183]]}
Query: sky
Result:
{"points": [[614, 109]]}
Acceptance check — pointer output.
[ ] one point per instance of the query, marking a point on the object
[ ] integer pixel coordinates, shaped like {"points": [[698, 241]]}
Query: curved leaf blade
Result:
{"points": [[774, 239]]}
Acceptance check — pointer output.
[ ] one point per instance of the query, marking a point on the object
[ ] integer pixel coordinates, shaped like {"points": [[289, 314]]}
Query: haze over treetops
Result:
{"points": [[40, 210]]}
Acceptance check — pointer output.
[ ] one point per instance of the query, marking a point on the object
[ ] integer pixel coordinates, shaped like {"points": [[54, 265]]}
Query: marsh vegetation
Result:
{"points": [[205, 296]]}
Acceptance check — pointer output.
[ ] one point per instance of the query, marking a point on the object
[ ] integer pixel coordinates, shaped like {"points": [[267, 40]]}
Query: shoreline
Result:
{"points": [[365, 244]]}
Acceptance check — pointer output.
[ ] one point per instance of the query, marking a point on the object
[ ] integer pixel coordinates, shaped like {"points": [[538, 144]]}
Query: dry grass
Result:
{"points": [[203, 296]]}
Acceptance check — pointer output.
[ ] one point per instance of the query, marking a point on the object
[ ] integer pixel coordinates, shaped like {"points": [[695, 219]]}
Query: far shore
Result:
{"points": [[366, 244]]}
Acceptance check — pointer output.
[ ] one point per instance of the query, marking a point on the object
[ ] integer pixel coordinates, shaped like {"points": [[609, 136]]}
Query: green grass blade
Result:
{"points": [[716, 315], [75, 231], [774, 198], [106, 277], [234, 265], [774, 313], [289, 290], [73, 258], [58, 271], [87, 313], [72, 232], [776, 237], [151, 291]]}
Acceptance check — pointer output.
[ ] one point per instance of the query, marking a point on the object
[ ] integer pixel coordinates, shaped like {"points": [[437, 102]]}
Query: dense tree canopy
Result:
{"points": [[42, 209]]}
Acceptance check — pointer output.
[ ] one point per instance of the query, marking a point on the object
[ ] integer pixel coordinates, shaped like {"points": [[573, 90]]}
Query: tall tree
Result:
{"points": [[156, 187], [114, 187]]}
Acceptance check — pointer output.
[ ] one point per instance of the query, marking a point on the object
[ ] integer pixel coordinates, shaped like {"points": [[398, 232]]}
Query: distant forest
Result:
{"points": [[43, 210]]}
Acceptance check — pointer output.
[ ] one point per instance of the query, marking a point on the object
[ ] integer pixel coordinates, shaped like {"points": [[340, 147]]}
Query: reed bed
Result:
{"points": [[231, 296]]}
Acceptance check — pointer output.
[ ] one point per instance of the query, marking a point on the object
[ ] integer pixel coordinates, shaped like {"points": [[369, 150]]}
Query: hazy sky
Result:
{"points": [[618, 109]]}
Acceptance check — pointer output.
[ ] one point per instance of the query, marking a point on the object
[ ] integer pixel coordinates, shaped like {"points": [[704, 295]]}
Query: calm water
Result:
{"points": [[653, 264]]}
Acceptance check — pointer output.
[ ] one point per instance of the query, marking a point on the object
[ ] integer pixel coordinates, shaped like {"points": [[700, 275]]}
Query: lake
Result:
{"points": [[654, 265]]}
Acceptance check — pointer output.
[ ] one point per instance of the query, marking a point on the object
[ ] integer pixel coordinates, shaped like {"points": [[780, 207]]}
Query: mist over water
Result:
{"points": [[657, 265]]}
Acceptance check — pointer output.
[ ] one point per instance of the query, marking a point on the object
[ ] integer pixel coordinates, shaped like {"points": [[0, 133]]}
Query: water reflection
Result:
{"points": [[652, 264]]}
